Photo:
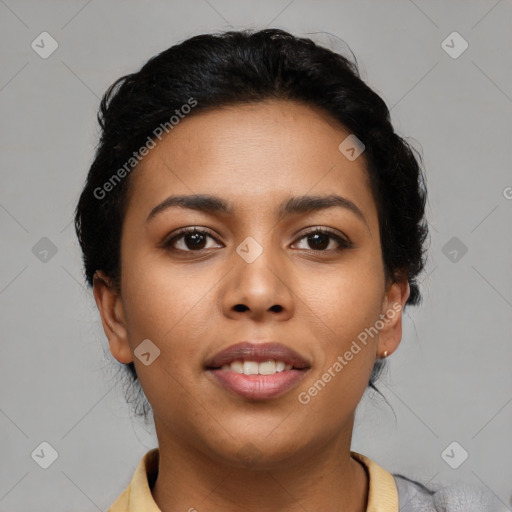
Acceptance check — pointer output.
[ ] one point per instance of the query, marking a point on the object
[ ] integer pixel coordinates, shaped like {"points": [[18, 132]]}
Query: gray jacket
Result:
{"points": [[415, 497]]}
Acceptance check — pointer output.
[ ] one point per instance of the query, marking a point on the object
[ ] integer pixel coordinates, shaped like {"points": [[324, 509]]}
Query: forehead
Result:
{"points": [[252, 154]]}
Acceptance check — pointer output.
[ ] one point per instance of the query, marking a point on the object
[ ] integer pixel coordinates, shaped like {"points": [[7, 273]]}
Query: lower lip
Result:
{"points": [[259, 387]]}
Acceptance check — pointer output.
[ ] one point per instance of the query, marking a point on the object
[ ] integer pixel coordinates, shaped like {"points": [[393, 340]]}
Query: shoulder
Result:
{"points": [[416, 497]]}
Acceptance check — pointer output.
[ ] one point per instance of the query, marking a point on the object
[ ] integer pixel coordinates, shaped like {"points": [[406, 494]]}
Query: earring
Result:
{"points": [[385, 354]]}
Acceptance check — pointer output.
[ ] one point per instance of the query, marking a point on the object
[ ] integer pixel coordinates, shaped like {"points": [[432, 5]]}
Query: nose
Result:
{"points": [[259, 290]]}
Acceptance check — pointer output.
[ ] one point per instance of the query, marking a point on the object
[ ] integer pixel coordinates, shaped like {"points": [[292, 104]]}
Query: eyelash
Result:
{"points": [[343, 243]]}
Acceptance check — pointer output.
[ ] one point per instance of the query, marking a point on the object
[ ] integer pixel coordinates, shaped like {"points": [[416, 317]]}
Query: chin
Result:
{"points": [[259, 451]]}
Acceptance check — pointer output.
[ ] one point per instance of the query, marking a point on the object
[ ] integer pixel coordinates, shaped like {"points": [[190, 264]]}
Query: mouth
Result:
{"points": [[258, 371]]}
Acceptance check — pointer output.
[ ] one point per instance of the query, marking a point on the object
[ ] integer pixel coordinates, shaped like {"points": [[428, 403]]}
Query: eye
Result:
{"points": [[319, 239], [191, 239], [194, 239]]}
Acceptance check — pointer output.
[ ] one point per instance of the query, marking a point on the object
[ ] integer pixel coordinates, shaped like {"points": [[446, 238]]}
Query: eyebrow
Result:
{"points": [[295, 205]]}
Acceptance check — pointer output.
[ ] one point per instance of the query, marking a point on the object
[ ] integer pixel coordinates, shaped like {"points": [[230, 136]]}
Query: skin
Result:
{"points": [[254, 156]]}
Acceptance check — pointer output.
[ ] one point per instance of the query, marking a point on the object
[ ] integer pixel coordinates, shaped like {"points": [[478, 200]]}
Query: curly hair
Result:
{"points": [[239, 67]]}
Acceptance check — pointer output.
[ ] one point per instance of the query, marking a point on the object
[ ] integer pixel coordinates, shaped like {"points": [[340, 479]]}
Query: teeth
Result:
{"points": [[236, 366], [250, 368], [267, 368], [254, 368]]}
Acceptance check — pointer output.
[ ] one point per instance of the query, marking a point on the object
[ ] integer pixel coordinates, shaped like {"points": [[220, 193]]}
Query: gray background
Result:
{"points": [[449, 381]]}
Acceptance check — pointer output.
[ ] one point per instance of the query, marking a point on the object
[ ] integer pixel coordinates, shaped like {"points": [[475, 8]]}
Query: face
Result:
{"points": [[266, 267]]}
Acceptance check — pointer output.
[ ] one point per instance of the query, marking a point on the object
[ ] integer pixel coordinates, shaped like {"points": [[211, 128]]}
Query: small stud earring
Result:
{"points": [[385, 354]]}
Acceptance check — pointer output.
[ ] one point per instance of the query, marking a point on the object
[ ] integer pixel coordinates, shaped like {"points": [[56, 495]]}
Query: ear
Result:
{"points": [[110, 306], [395, 297]]}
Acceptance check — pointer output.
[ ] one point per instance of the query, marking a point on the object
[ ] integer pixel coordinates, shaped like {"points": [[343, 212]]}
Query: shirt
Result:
{"points": [[382, 491]]}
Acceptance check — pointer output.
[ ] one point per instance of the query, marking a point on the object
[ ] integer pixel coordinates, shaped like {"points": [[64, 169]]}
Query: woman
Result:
{"points": [[253, 229]]}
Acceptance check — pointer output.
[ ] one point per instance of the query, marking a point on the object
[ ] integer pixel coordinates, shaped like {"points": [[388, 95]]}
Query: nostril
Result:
{"points": [[240, 307], [277, 308]]}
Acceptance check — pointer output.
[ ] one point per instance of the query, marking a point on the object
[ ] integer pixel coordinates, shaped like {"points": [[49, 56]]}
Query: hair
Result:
{"points": [[240, 67]]}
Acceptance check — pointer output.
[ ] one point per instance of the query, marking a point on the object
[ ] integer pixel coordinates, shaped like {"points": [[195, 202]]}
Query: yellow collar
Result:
{"points": [[137, 497], [383, 493]]}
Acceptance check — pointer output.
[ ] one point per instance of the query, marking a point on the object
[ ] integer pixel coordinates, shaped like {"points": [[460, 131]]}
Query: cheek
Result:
{"points": [[350, 307], [166, 308], [347, 304], [170, 307], [159, 295], [348, 299]]}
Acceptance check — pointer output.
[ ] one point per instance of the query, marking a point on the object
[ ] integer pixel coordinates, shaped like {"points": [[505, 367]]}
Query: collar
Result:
{"points": [[382, 494]]}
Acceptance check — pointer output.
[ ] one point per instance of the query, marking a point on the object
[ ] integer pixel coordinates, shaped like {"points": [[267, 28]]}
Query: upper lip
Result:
{"points": [[258, 352]]}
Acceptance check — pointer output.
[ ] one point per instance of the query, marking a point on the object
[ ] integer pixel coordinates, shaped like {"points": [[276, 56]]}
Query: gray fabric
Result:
{"points": [[413, 497]]}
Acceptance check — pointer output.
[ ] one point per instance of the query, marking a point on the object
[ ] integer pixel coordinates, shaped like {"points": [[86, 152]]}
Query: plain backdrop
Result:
{"points": [[450, 380]]}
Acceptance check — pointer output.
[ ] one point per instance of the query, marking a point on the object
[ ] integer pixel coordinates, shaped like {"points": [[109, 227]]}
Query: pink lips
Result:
{"points": [[257, 352], [258, 387]]}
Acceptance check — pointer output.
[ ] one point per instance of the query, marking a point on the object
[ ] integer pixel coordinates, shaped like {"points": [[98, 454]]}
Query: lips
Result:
{"points": [[260, 352], [259, 371]]}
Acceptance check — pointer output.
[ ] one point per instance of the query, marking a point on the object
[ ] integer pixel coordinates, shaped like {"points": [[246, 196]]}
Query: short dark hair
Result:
{"points": [[240, 67]]}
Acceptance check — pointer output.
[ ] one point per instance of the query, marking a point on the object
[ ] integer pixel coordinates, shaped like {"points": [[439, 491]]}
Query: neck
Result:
{"points": [[324, 479]]}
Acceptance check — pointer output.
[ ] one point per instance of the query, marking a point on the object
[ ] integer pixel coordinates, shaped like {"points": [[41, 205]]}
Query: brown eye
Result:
{"points": [[324, 240], [189, 240]]}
